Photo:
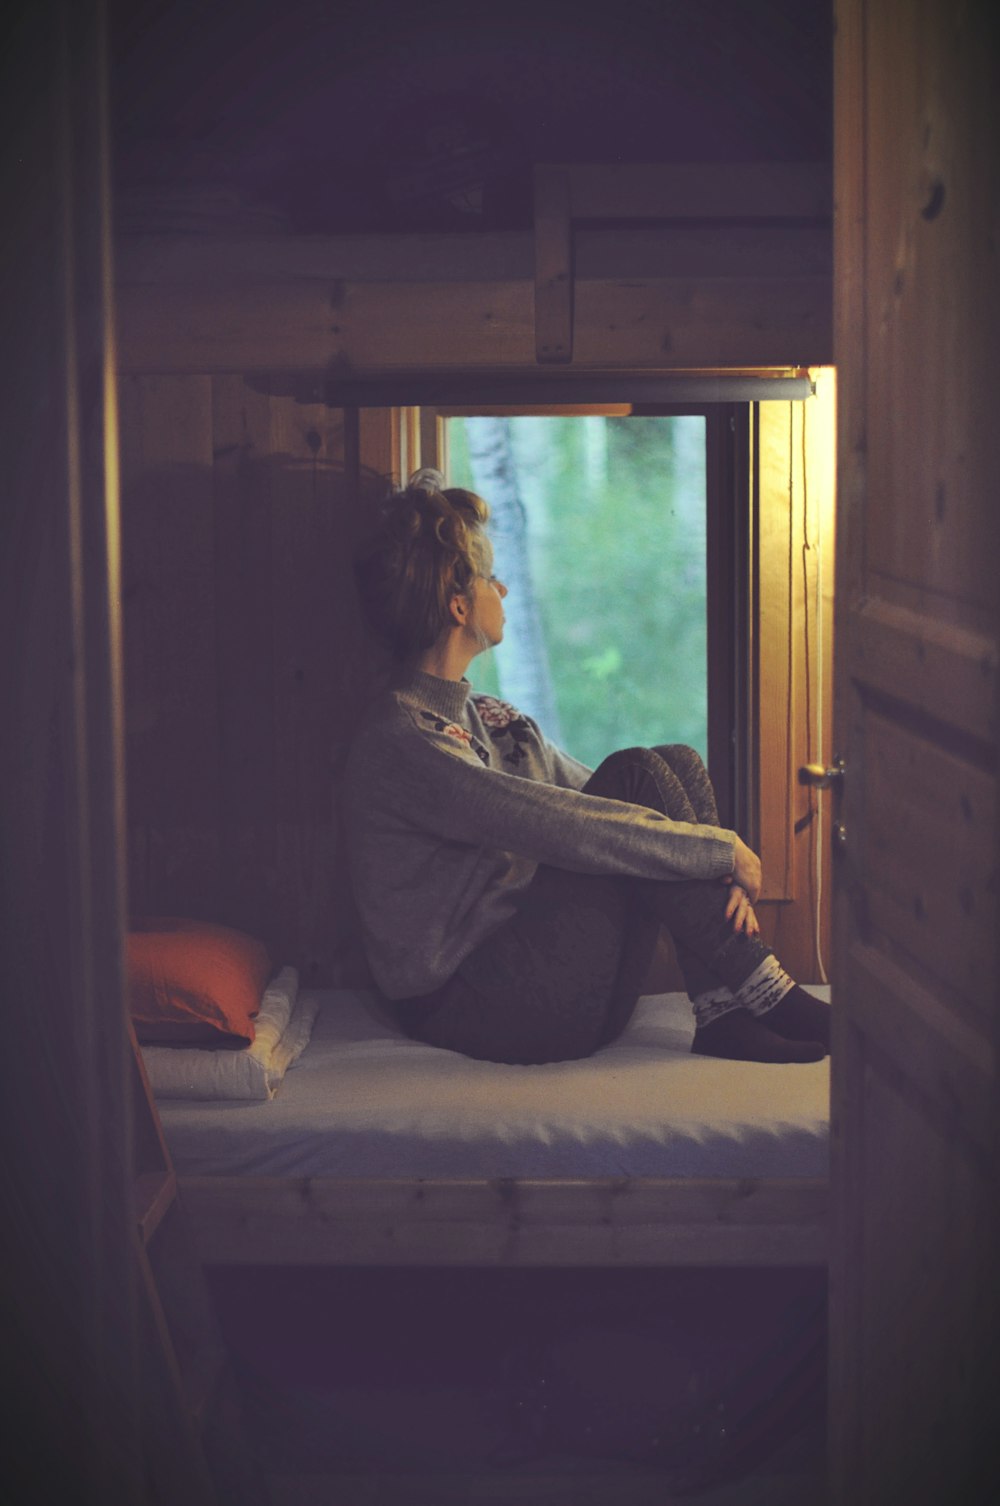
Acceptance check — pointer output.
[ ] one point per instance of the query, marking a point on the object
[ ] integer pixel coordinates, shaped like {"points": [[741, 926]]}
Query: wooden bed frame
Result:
{"points": [[599, 1222]]}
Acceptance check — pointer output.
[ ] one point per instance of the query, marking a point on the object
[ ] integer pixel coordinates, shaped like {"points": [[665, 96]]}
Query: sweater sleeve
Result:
{"points": [[440, 785], [567, 772]]}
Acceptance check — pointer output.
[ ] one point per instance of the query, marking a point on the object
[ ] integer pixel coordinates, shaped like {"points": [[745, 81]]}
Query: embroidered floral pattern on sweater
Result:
{"points": [[507, 727], [460, 734]]}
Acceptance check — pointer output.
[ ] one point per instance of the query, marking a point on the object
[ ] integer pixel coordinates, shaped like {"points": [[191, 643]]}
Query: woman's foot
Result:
{"points": [[738, 1036], [799, 1017]]}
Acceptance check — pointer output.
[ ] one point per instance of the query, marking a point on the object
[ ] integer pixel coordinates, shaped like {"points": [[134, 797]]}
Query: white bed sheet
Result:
{"points": [[365, 1101]]}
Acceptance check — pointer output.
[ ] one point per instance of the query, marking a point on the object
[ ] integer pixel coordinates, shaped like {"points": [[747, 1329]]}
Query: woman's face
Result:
{"points": [[487, 609], [487, 616]]}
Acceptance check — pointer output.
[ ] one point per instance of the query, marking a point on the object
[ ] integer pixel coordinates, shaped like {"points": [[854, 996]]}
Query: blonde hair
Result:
{"points": [[427, 545]]}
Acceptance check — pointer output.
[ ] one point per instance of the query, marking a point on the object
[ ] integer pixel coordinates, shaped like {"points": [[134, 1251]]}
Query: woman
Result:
{"points": [[510, 897]]}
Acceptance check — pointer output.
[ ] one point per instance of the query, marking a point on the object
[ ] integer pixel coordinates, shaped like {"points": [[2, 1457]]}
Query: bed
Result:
{"points": [[378, 1150]]}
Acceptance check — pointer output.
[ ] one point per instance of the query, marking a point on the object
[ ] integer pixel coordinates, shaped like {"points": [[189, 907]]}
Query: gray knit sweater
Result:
{"points": [[451, 802]]}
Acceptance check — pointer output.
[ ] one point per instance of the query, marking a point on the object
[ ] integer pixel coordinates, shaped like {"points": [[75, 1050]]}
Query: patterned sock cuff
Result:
{"points": [[766, 986], [709, 1006]]}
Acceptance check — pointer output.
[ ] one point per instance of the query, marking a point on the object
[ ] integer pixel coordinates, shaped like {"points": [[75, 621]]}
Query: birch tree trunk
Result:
{"points": [[522, 658]]}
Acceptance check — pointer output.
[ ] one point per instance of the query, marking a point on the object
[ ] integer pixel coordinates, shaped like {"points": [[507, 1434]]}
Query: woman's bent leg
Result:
{"points": [[711, 953], [561, 978], [745, 1003], [557, 981]]}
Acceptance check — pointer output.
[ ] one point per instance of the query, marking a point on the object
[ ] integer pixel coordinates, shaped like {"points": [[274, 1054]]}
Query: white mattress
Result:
{"points": [[365, 1101]]}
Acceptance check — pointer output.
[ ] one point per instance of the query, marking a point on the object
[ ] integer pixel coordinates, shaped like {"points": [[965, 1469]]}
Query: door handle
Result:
{"points": [[822, 777]]}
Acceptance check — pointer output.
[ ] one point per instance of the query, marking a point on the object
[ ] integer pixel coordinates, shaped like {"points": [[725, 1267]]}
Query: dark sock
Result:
{"points": [[738, 1036], [799, 1017]]}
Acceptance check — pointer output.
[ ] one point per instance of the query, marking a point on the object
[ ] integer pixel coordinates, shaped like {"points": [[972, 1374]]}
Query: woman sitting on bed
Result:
{"points": [[511, 898]]}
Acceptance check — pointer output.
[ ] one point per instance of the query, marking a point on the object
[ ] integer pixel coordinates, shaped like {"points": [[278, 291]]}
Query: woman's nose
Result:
{"points": [[501, 588]]}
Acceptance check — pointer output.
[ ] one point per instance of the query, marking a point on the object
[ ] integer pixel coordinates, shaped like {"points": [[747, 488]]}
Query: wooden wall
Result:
{"points": [[244, 660]]}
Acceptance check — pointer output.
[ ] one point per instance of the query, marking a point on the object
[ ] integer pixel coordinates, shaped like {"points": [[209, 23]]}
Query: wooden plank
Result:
{"points": [[794, 659], [245, 610], [153, 1192], [271, 261], [336, 262], [655, 322], [897, 650], [310, 684], [553, 266], [914, 1238], [691, 321], [934, 302], [248, 1220], [409, 443], [764, 251], [776, 647], [922, 797], [928, 1200], [847, 1147], [168, 609], [432, 442], [953, 1060], [703, 190]]}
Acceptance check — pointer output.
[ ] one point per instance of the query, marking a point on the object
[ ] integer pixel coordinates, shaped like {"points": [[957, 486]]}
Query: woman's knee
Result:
{"points": [[683, 759], [648, 759], [623, 772], [641, 777]]}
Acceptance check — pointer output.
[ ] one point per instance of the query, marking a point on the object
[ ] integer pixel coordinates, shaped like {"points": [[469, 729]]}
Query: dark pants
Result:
{"points": [[562, 976]]}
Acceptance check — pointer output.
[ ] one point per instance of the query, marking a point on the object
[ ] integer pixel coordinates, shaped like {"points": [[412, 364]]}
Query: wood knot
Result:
{"points": [[933, 200]]}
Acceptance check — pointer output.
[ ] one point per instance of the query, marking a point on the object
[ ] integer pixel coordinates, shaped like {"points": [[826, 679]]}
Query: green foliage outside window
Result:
{"points": [[615, 516]]}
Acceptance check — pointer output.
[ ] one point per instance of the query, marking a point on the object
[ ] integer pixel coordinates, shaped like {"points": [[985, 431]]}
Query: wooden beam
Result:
{"points": [[661, 298], [600, 1222]]}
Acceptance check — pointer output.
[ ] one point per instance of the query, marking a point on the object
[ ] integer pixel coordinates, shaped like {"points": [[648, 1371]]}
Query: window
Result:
{"points": [[599, 532]]}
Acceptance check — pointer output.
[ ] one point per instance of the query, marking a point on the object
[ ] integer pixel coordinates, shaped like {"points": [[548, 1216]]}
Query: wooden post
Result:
{"points": [[553, 266], [72, 1399]]}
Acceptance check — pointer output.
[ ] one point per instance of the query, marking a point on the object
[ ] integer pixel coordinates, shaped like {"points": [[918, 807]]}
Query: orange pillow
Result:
{"points": [[191, 983]]}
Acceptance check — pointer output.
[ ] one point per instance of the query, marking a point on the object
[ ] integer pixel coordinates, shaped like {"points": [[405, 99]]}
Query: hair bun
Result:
{"points": [[427, 479]]}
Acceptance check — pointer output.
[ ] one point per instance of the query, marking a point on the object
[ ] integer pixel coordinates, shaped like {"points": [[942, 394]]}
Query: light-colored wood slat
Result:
{"points": [[656, 322], [379, 448], [243, 1220], [776, 648], [949, 1057], [703, 190], [432, 441], [154, 1192], [553, 266], [692, 321], [921, 798], [897, 651]]}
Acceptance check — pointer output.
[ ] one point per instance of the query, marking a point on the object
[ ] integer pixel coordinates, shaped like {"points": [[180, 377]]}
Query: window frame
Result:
{"points": [[729, 595]]}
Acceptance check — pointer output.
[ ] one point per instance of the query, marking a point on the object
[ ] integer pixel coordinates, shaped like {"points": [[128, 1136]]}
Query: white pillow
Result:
{"points": [[282, 1030]]}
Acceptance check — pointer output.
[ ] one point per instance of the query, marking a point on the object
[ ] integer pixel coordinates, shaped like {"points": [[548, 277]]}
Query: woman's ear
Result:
{"points": [[458, 606]]}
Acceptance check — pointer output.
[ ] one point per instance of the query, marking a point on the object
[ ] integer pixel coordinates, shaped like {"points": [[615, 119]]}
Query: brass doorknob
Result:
{"points": [[823, 777]]}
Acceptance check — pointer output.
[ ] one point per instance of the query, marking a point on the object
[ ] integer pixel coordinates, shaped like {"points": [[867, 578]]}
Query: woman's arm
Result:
{"points": [[434, 781]]}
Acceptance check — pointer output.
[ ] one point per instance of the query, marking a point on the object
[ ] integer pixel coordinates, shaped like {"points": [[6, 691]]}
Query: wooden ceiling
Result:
{"points": [[326, 111]]}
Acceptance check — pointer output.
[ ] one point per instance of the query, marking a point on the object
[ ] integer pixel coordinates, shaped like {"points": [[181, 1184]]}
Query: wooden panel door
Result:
{"points": [[914, 1267]]}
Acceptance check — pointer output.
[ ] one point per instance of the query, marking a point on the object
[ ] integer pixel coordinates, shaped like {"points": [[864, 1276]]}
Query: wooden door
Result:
{"points": [[914, 1265]]}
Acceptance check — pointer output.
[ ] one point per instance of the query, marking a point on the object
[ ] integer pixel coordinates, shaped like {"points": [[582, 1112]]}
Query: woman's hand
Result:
{"points": [[747, 871], [740, 911]]}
